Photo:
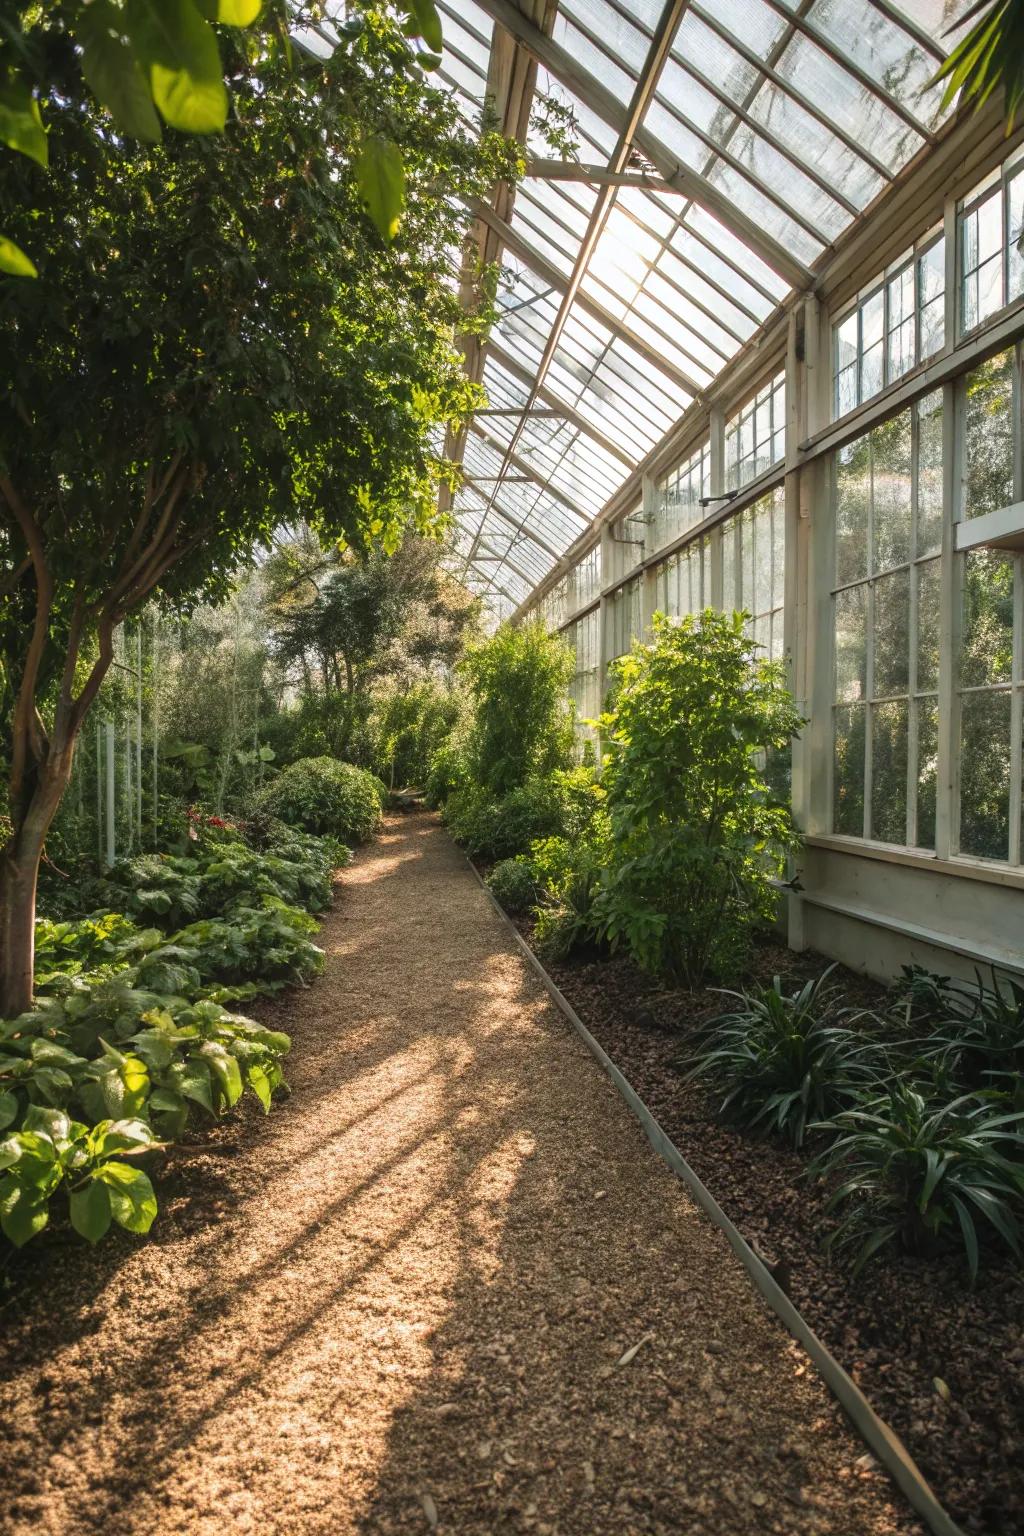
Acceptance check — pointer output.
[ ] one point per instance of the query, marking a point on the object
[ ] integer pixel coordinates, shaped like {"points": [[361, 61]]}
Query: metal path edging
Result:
{"points": [[881, 1440]]}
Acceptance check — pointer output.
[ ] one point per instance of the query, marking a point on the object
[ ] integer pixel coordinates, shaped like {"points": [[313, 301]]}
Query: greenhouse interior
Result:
{"points": [[512, 767]]}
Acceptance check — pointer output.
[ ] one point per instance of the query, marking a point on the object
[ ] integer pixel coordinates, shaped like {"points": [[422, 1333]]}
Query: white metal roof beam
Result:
{"points": [[601, 100], [525, 469], [561, 407], [627, 129], [513, 241], [513, 523]]}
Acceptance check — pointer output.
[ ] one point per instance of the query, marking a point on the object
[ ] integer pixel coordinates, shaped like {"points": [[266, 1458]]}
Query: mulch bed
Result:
{"points": [[942, 1363]]}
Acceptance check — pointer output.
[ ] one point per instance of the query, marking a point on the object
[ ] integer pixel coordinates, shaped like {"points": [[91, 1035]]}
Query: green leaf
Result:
{"points": [[179, 52], [113, 71], [132, 1201], [225, 1069], [8, 1109], [13, 260], [231, 13], [380, 176], [21, 126], [22, 1212], [259, 1082], [10, 1151], [428, 23], [90, 1210]]}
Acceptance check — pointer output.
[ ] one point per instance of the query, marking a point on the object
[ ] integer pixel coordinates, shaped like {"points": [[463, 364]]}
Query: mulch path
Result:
{"points": [[445, 1286], [907, 1323]]}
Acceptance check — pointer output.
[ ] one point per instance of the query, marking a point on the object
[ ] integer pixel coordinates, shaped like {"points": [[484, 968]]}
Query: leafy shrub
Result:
{"points": [[448, 771], [696, 836], [513, 884], [504, 827], [916, 1172], [782, 1059], [521, 727], [408, 725], [321, 795], [570, 876]]}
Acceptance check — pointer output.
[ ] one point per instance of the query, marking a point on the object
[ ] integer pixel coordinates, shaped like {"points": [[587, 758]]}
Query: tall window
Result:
{"points": [[623, 618], [990, 670], [683, 581], [585, 580], [755, 438], [991, 265], [585, 638], [754, 568], [897, 324], [888, 537], [678, 498]]}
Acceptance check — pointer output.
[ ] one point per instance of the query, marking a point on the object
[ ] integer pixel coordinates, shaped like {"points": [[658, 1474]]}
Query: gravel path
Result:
{"points": [[446, 1286]]}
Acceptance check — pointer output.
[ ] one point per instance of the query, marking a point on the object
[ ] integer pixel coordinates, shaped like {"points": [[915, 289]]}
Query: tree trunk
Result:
{"points": [[19, 876]]}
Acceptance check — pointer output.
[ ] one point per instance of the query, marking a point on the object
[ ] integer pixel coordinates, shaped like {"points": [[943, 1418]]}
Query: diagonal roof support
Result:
{"points": [[560, 407], [531, 474], [601, 100], [513, 241], [646, 85]]}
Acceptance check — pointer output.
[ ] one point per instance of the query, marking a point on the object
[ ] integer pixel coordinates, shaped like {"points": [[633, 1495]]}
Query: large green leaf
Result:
{"points": [[380, 175], [90, 1210], [8, 1109], [13, 260], [114, 73], [23, 1212], [231, 13], [132, 1201], [179, 51], [428, 23], [21, 126]]}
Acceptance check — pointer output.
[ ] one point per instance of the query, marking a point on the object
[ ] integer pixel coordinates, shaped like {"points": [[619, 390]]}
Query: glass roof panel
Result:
{"points": [[794, 113]]}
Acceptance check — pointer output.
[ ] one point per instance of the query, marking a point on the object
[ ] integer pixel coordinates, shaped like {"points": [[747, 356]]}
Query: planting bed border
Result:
{"points": [[881, 1440]]}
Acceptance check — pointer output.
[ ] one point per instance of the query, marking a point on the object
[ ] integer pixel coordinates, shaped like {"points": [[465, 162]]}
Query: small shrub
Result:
{"points": [[696, 835], [781, 1059], [321, 795], [570, 876], [976, 1034], [917, 1172], [507, 826], [513, 884], [448, 771]]}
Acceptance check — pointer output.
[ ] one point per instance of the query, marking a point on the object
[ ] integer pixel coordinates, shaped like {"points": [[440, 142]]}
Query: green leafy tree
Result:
{"points": [[990, 55], [518, 681], [696, 835], [220, 343], [153, 63]]}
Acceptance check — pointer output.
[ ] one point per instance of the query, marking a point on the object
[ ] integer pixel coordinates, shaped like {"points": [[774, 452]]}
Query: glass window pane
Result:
{"points": [[853, 491], [929, 474], [848, 770], [928, 578], [927, 770], [988, 435], [985, 775], [851, 644], [986, 646], [891, 633], [891, 486], [889, 771]]}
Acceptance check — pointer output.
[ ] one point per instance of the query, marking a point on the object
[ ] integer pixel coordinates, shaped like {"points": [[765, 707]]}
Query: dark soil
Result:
{"points": [[943, 1364]]}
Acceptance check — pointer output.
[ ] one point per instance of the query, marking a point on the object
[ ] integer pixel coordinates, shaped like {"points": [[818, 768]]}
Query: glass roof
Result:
{"points": [[711, 173]]}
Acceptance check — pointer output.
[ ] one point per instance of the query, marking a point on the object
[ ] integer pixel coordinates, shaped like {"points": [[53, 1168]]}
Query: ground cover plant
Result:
{"points": [[132, 1032]]}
